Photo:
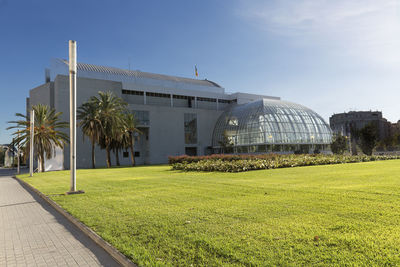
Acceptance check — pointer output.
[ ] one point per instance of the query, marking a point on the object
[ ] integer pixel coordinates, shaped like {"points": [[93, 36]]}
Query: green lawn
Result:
{"points": [[322, 215]]}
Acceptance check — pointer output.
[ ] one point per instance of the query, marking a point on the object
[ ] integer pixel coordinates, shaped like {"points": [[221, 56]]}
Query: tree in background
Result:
{"points": [[110, 114], [354, 138], [226, 143], [339, 144], [368, 138], [2, 153], [90, 123], [106, 120], [130, 130], [47, 133]]}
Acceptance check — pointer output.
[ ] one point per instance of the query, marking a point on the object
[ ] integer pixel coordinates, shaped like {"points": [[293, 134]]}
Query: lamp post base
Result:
{"points": [[75, 192]]}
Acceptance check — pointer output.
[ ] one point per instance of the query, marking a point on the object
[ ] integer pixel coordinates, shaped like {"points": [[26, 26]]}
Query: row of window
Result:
{"points": [[183, 97], [125, 154], [205, 99], [158, 95], [224, 101], [132, 92]]}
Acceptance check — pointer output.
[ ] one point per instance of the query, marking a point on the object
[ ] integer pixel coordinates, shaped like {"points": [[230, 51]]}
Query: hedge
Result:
{"points": [[223, 157], [240, 163]]}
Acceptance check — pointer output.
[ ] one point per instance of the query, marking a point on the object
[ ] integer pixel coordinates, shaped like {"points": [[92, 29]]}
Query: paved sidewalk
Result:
{"points": [[32, 233]]}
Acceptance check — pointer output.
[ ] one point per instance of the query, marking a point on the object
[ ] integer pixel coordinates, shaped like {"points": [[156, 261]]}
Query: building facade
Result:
{"points": [[181, 116], [343, 123]]}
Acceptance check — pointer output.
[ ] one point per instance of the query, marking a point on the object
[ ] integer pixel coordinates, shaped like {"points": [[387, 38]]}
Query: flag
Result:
{"points": [[195, 71]]}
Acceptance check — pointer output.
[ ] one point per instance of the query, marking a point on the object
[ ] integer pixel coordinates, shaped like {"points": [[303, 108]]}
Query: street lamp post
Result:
{"points": [[72, 117], [18, 154], [32, 128]]}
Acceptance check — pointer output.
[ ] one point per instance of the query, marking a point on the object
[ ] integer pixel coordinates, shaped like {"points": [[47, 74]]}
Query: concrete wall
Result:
{"points": [[158, 101], [166, 131], [43, 94], [206, 104], [222, 106], [135, 99], [181, 102]]}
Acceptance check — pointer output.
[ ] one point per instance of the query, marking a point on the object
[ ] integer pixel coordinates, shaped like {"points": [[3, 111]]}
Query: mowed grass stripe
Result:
{"points": [[320, 215]]}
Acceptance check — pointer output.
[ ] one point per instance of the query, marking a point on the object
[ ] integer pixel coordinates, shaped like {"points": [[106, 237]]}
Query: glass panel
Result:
{"points": [[190, 128], [271, 122]]}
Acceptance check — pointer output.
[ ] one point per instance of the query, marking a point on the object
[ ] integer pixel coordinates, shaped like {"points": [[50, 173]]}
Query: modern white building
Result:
{"points": [[183, 116]]}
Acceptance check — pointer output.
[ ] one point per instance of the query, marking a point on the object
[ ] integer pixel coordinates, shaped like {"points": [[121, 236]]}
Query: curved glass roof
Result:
{"points": [[271, 121]]}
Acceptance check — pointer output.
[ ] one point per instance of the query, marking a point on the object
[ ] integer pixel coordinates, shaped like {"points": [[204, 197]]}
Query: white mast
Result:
{"points": [[72, 118], [32, 128]]}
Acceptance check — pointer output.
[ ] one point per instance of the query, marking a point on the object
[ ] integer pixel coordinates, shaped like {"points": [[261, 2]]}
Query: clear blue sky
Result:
{"points": [[331, 56]]}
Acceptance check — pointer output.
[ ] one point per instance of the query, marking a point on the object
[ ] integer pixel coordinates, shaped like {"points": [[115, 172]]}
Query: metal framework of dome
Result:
{"points": [[270, 122]]}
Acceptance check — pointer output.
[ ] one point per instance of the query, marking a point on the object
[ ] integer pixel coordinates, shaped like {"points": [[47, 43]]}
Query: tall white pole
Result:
{"points": [[18, 155], [31, 143], [72, 106]]}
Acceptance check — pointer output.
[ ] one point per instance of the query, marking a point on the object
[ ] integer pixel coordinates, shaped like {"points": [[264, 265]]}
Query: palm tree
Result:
{"points": [[89, 121], [116, 146], [130, 123], [110, 110], [47, 135]]}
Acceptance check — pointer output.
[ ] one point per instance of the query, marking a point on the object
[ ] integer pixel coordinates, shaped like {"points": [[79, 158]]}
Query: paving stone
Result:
{"points": [[32, 233]]}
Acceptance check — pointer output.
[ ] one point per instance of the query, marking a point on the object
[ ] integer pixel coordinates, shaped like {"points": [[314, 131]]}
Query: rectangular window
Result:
{"points": [[132, 92], [137, 154], [191, 151], [206, 99], [180, 96], [126, 154], [142, 117], [158, 95], [190, 127]]}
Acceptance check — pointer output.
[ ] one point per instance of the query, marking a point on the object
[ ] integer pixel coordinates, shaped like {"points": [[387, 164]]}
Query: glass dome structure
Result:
{"points": [[270, 125]]}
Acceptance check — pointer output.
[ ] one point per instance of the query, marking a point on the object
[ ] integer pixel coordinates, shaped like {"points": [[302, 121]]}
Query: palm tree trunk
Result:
{"points": [[108, 157], [42, 162], [132, 151], [117, 157], [93, 159]]}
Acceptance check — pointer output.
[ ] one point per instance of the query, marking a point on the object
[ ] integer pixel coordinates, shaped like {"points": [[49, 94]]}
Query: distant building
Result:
{"points": [[343, 123], [395, 129], [182, 116]]}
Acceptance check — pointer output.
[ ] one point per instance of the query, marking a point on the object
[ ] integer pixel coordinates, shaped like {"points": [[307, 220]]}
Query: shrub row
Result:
{"points": [[240, 163], [223, 157]]}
